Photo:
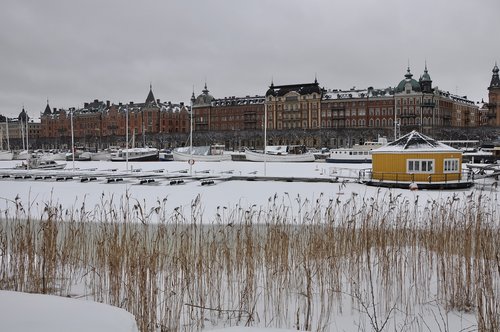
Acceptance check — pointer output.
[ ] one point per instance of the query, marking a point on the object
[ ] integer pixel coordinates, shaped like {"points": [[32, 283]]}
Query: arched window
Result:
{"points": [[384, 123], [377, 123], [371, 123]]}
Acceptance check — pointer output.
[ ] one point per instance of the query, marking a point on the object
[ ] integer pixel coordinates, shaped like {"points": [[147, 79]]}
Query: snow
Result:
{"points": [[29, 312], [73, 194], [415, 142], [24, 312]]}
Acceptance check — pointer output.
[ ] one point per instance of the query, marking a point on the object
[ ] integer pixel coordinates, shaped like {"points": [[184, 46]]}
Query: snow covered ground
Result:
{"points": [[23, 312], [72, 194], [49, 313]]}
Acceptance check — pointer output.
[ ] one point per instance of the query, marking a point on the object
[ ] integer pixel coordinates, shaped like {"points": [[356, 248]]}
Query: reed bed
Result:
{"points": [[387, 262]]}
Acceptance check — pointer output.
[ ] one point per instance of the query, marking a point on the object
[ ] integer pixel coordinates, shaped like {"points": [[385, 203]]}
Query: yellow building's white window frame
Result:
{"points": [[451, 165], [424, 166]]}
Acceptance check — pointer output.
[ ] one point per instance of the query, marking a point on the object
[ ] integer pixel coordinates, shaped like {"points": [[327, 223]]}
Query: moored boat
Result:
{"points": [[201, 153], [358, 154], [281, 153], [6, 155], [166, 155], [41, 164], [135, 154]]}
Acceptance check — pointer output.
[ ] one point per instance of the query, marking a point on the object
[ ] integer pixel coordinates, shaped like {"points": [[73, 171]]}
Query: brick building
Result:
{"points": [[296, 114], [101, 124]]}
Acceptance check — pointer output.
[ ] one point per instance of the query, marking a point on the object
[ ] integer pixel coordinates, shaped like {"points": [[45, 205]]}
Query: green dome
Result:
{"points": [[415, 86]]}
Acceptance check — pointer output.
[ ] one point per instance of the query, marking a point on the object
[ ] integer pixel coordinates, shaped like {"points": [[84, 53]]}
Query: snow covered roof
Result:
{"points": [[415, 142], [354, 93]]}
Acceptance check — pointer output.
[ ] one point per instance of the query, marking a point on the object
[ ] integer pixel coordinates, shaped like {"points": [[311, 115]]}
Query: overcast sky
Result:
{"points": [[71, 52]]}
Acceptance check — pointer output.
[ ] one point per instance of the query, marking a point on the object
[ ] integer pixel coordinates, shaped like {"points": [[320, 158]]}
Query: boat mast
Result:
{"points": [[22, 134], [265, 137], [27, 133], [191, 124], [72, 140], [7, 129], [126, 138]]}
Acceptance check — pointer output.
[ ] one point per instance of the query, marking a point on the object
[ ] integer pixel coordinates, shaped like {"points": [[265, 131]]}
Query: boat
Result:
{"points": [[84, 156], [481, 155], [104, 155], [22, 155], [135, 154], [201, 153], [166, 155], [281, 153], [6, 155], [41, 164], [358, 154]]}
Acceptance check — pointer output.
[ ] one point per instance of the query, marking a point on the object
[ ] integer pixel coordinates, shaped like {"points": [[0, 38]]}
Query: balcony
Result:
{"points": [[430, 104]]}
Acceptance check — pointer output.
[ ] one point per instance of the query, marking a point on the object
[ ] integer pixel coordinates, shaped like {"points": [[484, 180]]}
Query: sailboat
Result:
{"points": [[24, 154], [135, 154], [6, 154], [279, 153], [213, 152]]}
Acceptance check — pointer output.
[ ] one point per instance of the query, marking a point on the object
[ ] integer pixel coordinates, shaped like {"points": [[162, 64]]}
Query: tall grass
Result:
{"points": [[392, 263]]}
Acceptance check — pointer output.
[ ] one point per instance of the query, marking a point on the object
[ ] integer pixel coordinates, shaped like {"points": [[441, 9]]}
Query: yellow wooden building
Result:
{"points": [[417, 158]]}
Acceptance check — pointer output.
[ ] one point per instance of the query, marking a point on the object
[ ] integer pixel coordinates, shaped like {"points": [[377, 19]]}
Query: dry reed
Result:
{"points": [[293, 263]]}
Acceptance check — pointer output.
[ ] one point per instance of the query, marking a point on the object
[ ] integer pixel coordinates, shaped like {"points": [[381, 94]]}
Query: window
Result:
{"points": [[450, 166], [419, 166]]}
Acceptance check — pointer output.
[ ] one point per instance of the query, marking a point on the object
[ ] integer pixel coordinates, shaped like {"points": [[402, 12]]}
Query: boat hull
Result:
{"points": [[179, 156], [348, 161], [138, 158], [137, 154], [260, 157]]}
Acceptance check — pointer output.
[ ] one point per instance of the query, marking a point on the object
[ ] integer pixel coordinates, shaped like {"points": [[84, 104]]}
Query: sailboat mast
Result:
{"points": [[22, 134], [126, 138], [191, 126], [72, 141], [7, 129], [265, 137], [27, 134]]}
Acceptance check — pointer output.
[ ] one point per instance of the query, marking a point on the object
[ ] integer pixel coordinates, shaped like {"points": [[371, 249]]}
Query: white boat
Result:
{"points": [[166, 155], [358, 154], [135, 154], [281, 153], [41, 164], [104, 155], [201, 153], [22, 155], [52, 155], [6, 155], [479, 156]]}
